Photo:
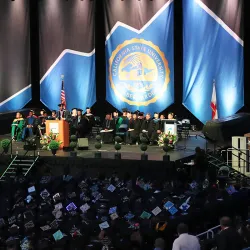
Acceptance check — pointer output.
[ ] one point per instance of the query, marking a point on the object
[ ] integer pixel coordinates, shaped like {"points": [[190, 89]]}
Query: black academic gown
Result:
{"points": [[83, 126], [158, 125], [107, 137], [129, 137], [65, 115], [91, 122], [137, 123], [149, 126], [73, 125]]}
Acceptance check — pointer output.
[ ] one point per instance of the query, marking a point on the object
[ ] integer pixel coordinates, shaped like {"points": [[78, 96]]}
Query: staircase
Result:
{"points": [[233, 174], [26, 163]]}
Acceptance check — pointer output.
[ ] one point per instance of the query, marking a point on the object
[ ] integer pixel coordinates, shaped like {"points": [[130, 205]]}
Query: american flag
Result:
{"points": [[63, 98], [214, 103]]}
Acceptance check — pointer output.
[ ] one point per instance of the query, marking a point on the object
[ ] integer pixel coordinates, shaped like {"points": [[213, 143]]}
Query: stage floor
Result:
{"points": [[184, 148]]}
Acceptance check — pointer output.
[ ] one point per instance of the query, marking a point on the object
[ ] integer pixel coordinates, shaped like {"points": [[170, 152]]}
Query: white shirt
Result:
{"points": [[186, 242]]}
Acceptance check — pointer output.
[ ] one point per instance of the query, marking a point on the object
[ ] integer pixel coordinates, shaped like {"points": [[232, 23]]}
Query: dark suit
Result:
{"points": [[229, 239]]}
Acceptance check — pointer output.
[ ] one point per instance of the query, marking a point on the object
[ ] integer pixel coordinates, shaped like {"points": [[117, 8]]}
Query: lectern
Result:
{"points": [[61, 128], [170, 126]]}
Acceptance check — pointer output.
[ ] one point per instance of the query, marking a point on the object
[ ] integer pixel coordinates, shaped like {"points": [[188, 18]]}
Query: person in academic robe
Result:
{"points": [[158, 129], [147, 128], [17, 127], [137, 123], [123, 119], [42, 112], [53, 115], [62, 113], [91, 119], [42, 122], [171, 116], [130, 127], [108, 127], [30, 125], [73, 123], [82, 125], [115, 116]]}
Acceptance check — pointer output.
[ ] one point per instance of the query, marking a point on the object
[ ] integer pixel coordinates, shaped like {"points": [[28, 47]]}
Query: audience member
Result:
{"points": [[228, 238], [185, 241]]}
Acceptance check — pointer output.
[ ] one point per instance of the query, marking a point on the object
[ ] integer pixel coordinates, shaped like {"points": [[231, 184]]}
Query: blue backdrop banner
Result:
{"points": [[15, 85], [139, 54], [213, 54], [67, 53]]}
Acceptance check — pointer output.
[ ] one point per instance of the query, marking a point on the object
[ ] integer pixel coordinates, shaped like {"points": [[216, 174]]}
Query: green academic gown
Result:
{"points": [[17, 128]]}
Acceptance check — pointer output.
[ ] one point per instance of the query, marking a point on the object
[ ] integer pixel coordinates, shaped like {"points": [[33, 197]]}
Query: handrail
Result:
{"points": [[211, 231], [208, 231], [230, 150], [8, 167], [32, 165]]}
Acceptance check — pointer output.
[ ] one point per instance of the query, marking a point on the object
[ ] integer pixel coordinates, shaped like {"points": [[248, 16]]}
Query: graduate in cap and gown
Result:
{"points": [[62, 113], [30, 125], [91, 119], [82, 124], [17, 127], [108, 126]]}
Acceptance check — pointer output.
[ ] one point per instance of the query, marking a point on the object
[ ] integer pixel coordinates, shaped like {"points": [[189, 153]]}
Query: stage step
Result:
{"points": [[234, 174], [25, 164]]}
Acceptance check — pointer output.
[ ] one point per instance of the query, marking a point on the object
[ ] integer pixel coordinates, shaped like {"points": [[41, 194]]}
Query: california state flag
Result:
{"points": [[213, 103]]}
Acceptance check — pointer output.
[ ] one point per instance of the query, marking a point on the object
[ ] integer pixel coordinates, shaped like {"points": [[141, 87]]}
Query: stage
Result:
{"points": [[184, 148]]}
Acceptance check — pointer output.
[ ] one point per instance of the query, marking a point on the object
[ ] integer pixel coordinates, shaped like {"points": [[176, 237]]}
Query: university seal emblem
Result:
{"points": [[138, 72]]}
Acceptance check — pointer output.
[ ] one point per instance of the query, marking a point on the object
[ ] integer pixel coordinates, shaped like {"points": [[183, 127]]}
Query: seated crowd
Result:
{"points": [[116, 213], [130, 126], [133, 126]]}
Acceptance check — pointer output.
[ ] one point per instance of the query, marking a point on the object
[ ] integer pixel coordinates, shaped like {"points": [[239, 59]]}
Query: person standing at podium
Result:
{"points": [[62, 113], [171, 116]]}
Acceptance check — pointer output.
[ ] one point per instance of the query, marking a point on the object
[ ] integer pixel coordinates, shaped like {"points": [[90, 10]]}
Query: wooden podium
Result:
{"points": [[61, 128]]}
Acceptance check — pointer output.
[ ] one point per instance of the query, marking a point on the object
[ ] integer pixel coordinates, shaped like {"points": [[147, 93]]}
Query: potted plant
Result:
{"points": [[5, 144], [98, 146], [73, 145], [117, 148], [144, 148], [54, 146]]}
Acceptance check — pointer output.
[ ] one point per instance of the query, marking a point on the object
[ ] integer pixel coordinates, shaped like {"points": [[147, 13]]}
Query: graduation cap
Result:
{"points": [[129, 111], [156, 113], [60, 104], [79, 110], [88, 108], [53, 111], [43, 110], [32, 111], [141, 114], [73, 109], [124, 110]]}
